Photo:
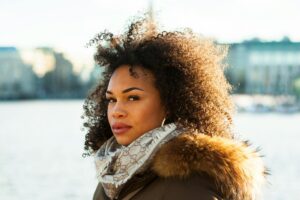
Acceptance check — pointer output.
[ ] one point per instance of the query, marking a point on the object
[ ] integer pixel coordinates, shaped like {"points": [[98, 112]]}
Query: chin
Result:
{"points": [[123, 141]]}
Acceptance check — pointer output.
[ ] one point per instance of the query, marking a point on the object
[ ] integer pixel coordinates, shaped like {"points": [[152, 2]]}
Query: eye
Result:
{"points": [[110, 100], [133, 98]]}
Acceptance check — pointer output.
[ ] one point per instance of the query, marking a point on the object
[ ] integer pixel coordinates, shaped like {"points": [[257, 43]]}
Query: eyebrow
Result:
{"points": [[127, 90]]}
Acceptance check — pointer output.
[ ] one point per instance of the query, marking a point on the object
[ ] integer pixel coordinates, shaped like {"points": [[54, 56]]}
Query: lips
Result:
{"points": [[120, 128]]}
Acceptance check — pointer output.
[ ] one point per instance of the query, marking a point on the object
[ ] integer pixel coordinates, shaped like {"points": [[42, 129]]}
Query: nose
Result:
{"points": [[118, 111]]}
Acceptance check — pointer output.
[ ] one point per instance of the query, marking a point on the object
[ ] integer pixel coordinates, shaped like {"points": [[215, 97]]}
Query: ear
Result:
{"points": [[167, 117], [167, 113]]}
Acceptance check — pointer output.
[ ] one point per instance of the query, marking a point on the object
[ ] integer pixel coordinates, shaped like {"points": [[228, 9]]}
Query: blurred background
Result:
{"points": [[46, 72]]}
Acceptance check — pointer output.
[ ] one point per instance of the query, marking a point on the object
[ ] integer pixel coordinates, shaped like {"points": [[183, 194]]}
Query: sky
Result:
{"points": [[67, 25]]}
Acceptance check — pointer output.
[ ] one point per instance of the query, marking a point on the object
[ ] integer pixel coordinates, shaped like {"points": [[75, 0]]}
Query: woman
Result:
{"points": [[160, 122]]}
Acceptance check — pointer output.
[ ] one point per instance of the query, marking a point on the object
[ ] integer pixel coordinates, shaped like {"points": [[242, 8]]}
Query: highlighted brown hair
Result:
{"points": [[189, 73]]}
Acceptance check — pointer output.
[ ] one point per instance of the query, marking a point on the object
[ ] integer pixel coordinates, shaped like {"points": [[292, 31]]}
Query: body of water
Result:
{"points": [[41, 146]]}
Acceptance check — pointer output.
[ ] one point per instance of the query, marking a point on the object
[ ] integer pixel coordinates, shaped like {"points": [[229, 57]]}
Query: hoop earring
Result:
{"points": [[163, 122]]}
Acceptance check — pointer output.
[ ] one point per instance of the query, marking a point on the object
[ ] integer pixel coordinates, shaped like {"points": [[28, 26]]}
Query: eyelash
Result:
{"points": [[134, 97]]}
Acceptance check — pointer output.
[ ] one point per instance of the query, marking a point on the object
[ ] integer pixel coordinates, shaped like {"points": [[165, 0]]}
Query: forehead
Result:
{"points": [[122, 78]]}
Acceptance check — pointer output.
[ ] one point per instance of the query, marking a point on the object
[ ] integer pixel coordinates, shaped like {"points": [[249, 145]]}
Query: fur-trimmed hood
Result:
{"points": [[237, 169]]}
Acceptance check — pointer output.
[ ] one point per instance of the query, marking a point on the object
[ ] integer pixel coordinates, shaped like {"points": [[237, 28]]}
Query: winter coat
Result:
{"points": [[197, 166]]}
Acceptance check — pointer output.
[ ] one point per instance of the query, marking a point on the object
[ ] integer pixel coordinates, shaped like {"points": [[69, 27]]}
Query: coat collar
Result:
{"points": [[237, 169]]}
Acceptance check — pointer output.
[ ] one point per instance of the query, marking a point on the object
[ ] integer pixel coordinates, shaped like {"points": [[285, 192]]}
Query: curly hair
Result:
{"points": [[189, 75]]}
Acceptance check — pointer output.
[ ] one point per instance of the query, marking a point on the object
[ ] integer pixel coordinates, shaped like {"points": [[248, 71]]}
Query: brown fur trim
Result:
{"points": [[237, 169]]}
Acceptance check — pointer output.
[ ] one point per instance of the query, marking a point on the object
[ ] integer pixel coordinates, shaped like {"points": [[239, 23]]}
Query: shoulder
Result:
{"points": [[236, 169]]}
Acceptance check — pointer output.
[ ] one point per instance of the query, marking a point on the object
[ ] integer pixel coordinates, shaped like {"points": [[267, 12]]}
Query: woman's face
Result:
{"points": [[134, 104]]}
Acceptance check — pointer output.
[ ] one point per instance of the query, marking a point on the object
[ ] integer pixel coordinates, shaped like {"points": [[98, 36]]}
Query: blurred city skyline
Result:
{"points": [[43, 50], [68, 25]]}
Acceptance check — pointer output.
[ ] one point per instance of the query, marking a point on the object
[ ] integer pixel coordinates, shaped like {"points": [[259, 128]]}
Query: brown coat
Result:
{"points": [[196, 166]]}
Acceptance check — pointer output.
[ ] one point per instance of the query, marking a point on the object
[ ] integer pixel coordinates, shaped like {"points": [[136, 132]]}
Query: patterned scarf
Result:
{"points": [[117, 164]]}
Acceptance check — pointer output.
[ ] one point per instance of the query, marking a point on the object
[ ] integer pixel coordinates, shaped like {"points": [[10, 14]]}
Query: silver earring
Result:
{"points": [[163, 122]]}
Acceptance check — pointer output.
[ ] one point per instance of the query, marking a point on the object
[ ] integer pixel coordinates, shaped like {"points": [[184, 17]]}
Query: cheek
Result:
{"points": [[151, 112], [109, 115]]}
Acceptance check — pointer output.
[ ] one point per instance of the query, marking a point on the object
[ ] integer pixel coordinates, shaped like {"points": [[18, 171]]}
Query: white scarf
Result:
{"points": [[117, 164]]}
